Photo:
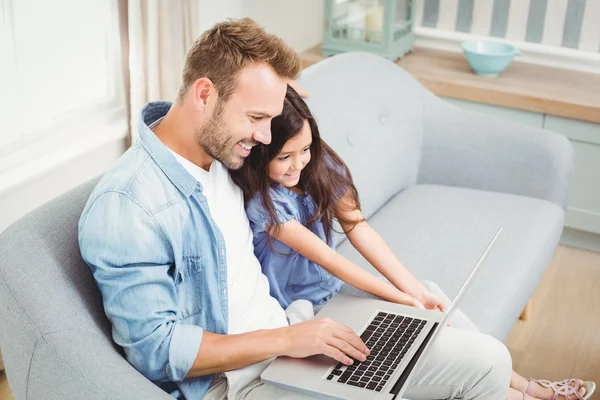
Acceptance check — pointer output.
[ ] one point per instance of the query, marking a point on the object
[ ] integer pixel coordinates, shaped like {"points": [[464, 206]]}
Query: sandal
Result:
{"points": [[564, 388]]}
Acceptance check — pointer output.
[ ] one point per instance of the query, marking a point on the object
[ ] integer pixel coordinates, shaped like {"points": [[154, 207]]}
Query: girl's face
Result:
{"points": [[286, 167]]}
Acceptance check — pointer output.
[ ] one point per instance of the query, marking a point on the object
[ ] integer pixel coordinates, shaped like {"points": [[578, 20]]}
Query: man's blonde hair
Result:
{"points": [[224, 50]]}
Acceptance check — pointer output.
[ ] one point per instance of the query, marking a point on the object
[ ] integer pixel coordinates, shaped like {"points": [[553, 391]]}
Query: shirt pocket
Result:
{"points": [[189, 286]]}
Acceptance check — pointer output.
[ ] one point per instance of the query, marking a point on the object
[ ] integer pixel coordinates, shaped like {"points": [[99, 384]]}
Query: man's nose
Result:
{"points": [[263, 134]]}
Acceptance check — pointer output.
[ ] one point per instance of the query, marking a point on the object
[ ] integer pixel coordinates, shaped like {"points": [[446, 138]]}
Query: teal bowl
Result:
{"points": [[488, 58]]}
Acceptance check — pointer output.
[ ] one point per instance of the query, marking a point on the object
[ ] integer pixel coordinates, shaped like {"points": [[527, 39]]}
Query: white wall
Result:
{"points": [[298, 22], [51, 183], [212, 11]]}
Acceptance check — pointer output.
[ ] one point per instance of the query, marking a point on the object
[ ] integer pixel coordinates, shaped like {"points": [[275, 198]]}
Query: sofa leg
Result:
{"points": [[526, 314]]}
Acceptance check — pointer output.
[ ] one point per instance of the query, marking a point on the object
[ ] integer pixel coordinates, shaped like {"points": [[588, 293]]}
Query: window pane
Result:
{"points": [[9, 100], [61, 57]]}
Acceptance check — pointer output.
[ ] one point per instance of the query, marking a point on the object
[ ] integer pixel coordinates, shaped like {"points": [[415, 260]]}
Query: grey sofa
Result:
{"points": [[434, 181]]}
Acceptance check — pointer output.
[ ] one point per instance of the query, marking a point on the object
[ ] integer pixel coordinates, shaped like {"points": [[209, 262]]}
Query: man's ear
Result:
{"points": [[201, 91]]}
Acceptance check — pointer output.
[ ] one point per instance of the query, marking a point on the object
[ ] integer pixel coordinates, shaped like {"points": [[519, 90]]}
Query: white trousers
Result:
{"points": [[462, 364]]}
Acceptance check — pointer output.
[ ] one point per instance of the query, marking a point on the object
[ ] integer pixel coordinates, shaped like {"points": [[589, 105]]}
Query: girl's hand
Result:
{"points": [[407, 300], [302, 92], [431, 301]]}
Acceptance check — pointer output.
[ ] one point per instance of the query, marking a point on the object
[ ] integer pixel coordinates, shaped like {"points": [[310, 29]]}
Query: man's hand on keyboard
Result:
{"points": [[323, 336]]}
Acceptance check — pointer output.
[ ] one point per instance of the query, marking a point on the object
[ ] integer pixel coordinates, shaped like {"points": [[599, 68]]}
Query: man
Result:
{"points": [[168, 241]]}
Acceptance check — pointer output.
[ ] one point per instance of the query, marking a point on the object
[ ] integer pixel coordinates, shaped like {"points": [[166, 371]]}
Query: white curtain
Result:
{"points": [[160, 32]]}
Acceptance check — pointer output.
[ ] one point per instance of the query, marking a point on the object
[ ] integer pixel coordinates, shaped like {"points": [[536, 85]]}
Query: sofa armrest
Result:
{"points": [[471, 150], [78, 364]]}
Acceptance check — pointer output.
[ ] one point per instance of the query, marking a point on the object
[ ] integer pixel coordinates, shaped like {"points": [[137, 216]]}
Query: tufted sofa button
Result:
{"points": [[350, 140], [382, 119]]}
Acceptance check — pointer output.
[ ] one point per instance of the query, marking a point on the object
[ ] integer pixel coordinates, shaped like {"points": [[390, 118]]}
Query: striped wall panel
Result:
{"points": [[566, 23]]}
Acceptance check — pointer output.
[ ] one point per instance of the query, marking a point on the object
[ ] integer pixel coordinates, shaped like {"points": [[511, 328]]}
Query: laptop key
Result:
{"points": [[345, 376], [336, 372], [366, 335], [330, 377], [372, 385], [378, 388]]}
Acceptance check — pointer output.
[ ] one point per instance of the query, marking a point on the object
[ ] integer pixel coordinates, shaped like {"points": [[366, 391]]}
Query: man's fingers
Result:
{"points": [[338, 355], [346, 334], [347, 349], [353, 340]]}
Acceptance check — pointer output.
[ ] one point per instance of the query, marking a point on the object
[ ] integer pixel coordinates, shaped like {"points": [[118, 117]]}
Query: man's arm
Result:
{"points": [[129, 258], [131, 261], [220, 353]]}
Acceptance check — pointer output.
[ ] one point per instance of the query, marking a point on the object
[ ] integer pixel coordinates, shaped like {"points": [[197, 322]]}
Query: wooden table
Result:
{"points": [[529, 87]]}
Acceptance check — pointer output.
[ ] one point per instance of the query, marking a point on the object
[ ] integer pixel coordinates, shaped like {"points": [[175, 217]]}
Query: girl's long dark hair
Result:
{"points": [[325, 178]]}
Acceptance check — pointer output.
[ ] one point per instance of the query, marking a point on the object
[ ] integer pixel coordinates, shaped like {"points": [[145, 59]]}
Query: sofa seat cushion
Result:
{"points": [[439, 233]]}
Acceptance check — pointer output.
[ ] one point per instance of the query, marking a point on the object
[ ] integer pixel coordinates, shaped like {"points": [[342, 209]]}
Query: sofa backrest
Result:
{"points": [[369, 111], [45, 286]]}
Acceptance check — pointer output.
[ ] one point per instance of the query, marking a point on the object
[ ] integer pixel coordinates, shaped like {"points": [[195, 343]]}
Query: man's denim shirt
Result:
{"points": [[159, 260]]}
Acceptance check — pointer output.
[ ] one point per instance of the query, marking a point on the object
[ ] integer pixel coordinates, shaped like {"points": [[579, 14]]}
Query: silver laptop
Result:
{"points": [[398, 336]]}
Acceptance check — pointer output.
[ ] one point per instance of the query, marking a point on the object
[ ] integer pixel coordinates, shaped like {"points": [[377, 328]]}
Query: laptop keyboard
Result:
{"points": [[390, 337]]}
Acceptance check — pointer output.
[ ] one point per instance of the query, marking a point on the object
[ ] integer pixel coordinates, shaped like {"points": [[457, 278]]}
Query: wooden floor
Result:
{"points": [[562, 338], [5, 393]]}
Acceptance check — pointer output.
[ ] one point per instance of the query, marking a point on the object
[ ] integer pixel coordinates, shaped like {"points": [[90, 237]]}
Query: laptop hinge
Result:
{"points": [[405, 374]]}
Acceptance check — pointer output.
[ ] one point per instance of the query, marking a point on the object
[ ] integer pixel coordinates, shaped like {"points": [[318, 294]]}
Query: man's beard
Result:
{"points": [[217, 143]]}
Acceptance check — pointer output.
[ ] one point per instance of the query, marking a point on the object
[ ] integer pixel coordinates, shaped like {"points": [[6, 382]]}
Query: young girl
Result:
{"points": [[294, 189]]}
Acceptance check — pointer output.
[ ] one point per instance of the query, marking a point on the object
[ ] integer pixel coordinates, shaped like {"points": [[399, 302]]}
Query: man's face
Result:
{"points": [[245, 119]]}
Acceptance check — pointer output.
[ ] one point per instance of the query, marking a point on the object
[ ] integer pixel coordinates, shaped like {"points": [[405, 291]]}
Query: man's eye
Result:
{"points": [[256, 118]]}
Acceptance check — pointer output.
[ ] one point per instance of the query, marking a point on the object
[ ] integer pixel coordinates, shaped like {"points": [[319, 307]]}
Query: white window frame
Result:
{"points": [[76, 133]]}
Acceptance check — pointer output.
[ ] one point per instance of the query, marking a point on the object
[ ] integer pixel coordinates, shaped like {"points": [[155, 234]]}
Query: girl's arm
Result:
{"points": [[297, 237], [376, 251]]}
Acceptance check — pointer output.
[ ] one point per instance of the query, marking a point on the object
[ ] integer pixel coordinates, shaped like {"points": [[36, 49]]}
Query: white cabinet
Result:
{"points": [[583, 212]]}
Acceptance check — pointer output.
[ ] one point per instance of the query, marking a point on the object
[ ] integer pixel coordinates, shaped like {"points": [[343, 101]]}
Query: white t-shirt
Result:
{"points": [[250, 306]]}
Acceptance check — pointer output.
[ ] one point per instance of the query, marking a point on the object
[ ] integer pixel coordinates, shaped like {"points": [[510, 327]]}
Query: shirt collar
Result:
{"points": [[174, 171]]}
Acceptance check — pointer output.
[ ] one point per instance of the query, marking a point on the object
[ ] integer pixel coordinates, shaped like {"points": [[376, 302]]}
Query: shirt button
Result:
{"points": [[224, 292]]}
